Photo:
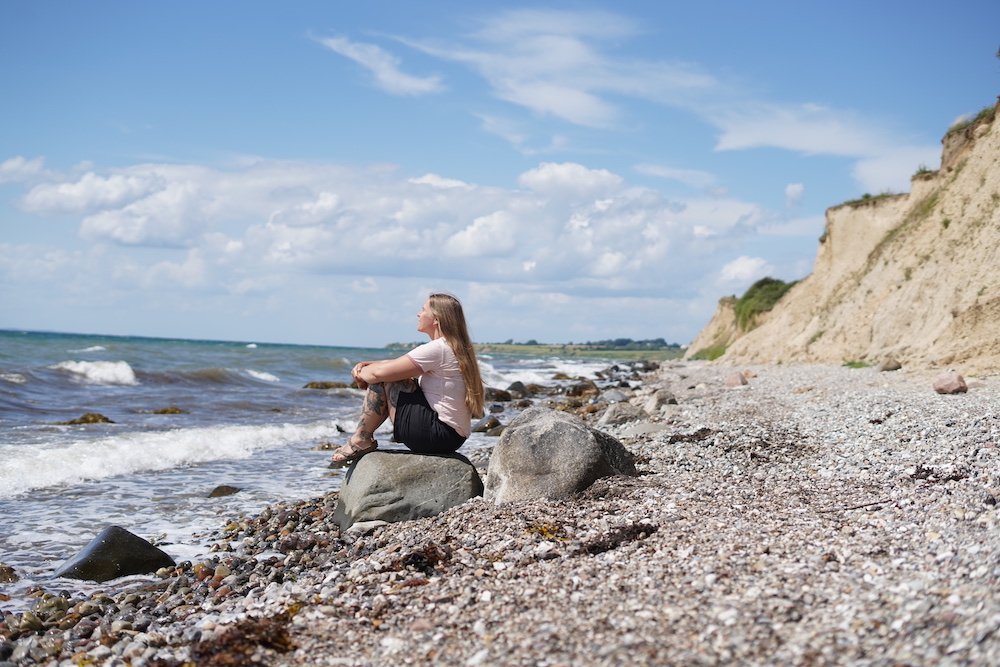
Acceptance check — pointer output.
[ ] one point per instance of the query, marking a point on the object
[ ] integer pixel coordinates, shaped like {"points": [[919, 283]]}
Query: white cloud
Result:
{"points": [[793, 193], [549, 62], [570, 178], [891, 170], [384, 66], [192, 272], [91, 191], [691, 177], [804, 128], [745, 269], [19, 168], [261, 230], [440, 182], [489, 235], [366, 285]]}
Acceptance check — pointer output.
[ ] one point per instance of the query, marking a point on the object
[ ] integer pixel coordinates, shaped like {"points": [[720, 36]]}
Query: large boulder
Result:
{"points": [[549, 454], [400, 485], [112, 554]]}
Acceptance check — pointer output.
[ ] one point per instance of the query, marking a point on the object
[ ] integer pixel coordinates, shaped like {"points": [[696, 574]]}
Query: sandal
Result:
{"points": [[348, 453]]}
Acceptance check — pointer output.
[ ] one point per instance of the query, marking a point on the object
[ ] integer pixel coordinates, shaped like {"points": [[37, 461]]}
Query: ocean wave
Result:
{"points": [[262, 375], [27, 468], [251, 346], [537, 371], [13, 378], [92, 348], [99, 372], [199, 376]]}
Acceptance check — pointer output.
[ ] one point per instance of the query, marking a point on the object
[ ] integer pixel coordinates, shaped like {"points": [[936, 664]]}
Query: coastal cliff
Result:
{"points": [[910, 276]]}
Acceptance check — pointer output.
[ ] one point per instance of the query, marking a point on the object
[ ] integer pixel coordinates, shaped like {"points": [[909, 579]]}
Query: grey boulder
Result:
{"points": [[114, 553], [400, 485], [549, 454]]}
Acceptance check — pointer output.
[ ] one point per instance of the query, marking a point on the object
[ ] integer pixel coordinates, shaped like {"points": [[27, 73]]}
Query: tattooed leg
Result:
{"points": [[379, 405], [374, 411]]}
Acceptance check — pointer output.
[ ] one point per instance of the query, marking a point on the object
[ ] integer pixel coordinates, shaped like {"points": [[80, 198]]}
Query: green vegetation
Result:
{"points": [[986, 115], [815, 337], [871, 199], [946, 222], [710, 353], [856, 363], [760, 298], [922, 170]]}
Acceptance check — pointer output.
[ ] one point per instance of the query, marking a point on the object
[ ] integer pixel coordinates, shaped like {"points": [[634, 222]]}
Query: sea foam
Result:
{"points": [[99, 372], [27, 468], [262, 375]]}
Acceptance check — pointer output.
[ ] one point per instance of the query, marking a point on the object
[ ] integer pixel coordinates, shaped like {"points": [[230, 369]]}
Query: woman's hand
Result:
{"points": [[356, 374]]}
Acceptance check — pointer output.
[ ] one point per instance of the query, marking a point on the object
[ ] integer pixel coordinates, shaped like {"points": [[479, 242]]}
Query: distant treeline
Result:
{"points": [[609, 344]]}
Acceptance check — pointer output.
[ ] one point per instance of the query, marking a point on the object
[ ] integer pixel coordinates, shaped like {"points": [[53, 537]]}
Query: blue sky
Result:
{"points": [[307, 172]]}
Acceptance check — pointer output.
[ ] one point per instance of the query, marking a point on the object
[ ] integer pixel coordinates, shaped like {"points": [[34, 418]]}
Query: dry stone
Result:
{"points": [[400, 485], [950, 383], [549, 454]]}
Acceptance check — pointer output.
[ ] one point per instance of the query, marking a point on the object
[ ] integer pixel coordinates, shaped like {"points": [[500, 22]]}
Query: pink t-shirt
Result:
{"points": [[443, 384]]}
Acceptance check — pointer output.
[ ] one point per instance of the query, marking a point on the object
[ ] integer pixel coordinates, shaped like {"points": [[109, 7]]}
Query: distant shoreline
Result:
{"points": [[567, 350], [570, 350]]}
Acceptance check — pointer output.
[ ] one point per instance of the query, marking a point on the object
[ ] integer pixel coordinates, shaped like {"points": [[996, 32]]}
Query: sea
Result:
{"points": [[188, 416]]}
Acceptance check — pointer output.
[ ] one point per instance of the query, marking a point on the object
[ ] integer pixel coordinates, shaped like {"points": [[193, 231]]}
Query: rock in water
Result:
{"points": [[398, 486], [224, 490], [549, 454], [112, 554]]}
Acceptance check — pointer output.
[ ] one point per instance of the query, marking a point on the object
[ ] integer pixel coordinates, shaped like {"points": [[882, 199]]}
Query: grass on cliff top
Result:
{"points": [[760, 298], [871, 199], [985, 116]]}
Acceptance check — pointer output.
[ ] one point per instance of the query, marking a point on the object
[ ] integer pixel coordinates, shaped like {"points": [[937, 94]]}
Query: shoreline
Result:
{"points": [[818, 515]]}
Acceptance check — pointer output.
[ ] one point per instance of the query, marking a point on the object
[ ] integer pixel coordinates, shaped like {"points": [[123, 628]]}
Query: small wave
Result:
{"points": [[92, 348], [197, 377], [37, 467], [261, 375], [99, 372], [14, 378], [252, 346]]}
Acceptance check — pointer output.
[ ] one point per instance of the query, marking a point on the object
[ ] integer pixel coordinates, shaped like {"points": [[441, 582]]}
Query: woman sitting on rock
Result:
{"points": [[430, 394]]}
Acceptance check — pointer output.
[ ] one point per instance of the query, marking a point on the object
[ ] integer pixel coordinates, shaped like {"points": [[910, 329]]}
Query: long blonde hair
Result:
{"points": [[451, 320]]}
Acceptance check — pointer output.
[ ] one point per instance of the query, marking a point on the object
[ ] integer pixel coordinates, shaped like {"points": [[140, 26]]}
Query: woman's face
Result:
{"points": [[426, 322]]}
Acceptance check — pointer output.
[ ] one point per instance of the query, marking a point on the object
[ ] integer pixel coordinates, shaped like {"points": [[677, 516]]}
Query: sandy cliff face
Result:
{"points": [[915, 276]]}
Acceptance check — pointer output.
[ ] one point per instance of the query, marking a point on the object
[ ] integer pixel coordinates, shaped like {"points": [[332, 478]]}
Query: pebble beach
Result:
{"points": [[816, 515]]}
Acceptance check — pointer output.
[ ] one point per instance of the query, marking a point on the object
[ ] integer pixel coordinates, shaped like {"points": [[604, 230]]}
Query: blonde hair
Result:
{"points": [[451, 320]]}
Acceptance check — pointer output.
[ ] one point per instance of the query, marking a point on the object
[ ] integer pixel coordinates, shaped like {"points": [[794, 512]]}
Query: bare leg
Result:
{"points": [[379, 405]]}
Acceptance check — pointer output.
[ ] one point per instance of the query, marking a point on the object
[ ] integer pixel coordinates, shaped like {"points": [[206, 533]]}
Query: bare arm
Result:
{"points": [[389, 370]]}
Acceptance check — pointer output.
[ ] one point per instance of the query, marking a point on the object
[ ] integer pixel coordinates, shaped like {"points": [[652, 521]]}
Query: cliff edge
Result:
{"points": [[911, 276]]}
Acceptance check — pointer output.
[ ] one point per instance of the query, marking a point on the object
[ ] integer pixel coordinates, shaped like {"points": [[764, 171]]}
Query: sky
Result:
{"points": [[309, 172]]}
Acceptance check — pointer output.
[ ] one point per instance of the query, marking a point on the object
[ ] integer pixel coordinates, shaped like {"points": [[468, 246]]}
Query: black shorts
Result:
{"points": [[419, 428]]}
